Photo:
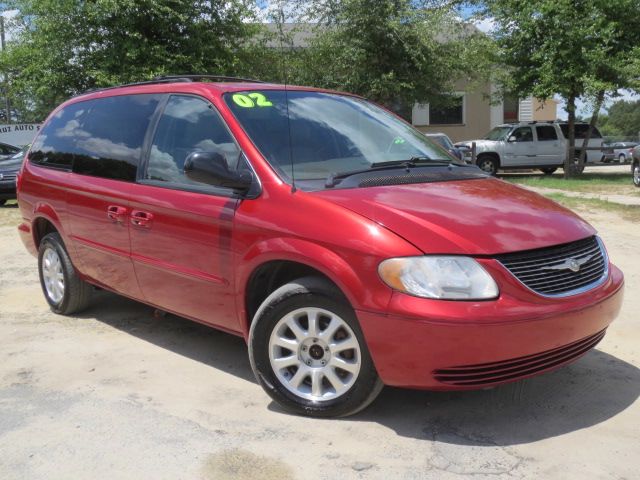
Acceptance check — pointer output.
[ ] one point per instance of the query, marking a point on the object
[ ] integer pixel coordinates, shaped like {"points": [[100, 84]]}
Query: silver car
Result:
{"points": [[623, 151]]}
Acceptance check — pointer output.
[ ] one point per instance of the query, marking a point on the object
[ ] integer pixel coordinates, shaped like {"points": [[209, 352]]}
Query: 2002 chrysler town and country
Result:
{"points": [[347, 249]]}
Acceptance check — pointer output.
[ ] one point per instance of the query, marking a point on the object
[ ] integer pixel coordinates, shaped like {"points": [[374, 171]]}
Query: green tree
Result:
{"points": [[622, 120], [63, 47], [574, 48], [396, 52]]}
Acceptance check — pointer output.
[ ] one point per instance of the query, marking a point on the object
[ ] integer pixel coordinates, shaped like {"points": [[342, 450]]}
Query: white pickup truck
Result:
{"points": [[540, 145]]}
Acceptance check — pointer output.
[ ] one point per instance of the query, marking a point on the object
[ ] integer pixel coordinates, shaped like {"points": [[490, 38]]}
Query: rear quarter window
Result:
{"points": [[55, 146], [581, 131]]}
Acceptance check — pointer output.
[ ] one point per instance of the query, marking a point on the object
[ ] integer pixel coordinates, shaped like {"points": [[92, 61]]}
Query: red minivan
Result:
{"points": [[347, 249]]}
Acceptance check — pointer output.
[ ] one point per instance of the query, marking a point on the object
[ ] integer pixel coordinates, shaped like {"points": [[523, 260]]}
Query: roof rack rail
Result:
{"points": [[198, 77], [176, 79]]}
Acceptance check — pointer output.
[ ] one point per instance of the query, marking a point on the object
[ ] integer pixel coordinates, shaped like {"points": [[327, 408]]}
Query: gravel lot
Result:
{"points": [[116, 393]]}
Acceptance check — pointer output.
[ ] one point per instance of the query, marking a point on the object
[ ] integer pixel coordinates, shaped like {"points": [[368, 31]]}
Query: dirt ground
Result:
{"points": [[115, 393]]}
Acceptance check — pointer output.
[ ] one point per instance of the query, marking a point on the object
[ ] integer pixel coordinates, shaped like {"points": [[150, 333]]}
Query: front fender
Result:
{"points": [[338, 268]]}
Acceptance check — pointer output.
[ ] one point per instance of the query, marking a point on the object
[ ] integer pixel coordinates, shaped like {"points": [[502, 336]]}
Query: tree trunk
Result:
{"points": [[592, 124], [571, 145]]}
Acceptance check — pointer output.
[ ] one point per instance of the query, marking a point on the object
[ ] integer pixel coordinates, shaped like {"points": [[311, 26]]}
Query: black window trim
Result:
{"points": [[255, 190]]}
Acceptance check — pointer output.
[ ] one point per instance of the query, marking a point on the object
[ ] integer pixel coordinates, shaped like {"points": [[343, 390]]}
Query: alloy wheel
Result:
{"points": [[315, 354], [53, 275]]}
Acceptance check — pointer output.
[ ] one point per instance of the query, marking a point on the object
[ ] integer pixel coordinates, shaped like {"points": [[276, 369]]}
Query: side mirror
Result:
{"points": [[512, 138], [211, 168]]}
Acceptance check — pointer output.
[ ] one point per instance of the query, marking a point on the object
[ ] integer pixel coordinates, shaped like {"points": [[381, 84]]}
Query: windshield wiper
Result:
{"points": [[334, 178]]}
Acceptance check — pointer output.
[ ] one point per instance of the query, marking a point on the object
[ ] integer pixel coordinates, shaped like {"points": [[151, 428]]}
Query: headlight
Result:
{"points": [[448, 278]]}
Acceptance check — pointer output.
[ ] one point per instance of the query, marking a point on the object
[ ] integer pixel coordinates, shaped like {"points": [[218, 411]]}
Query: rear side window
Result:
{"points": [[112, 136], [188, 124], [101, 137], [546, 133]]}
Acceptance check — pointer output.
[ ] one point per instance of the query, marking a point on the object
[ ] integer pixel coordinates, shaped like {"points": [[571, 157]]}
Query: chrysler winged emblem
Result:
{"points": [[572, 264]]}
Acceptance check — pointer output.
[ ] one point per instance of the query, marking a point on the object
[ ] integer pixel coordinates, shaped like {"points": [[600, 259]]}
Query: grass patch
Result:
{"points": [[593, 182], [628, 212]]}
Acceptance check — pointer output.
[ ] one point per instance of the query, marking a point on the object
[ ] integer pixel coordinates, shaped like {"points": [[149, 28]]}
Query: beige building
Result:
{"points": [[471, 115]]}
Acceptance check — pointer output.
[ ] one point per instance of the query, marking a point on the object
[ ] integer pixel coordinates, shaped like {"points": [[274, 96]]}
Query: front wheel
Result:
{"points": [[622, 158], [307, 351], [636, 174], [488, 164]]}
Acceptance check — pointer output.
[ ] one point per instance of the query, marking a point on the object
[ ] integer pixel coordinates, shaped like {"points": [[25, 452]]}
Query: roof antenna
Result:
{"points": [[286, 95]]}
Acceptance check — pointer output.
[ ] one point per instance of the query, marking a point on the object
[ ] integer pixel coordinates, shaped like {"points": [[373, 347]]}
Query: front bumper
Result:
{"points": [[421, 343]]}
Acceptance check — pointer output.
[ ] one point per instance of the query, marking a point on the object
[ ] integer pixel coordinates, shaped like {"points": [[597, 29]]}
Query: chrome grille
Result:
{"points": [[8, 176], [560, 270]]}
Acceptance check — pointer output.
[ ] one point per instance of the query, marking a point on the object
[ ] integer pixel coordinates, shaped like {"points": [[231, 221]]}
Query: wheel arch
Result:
{"points": [[492, 154], [45, 220], [271, 264]]}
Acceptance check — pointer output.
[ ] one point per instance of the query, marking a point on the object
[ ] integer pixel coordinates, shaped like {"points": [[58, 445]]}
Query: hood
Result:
{"points": [[473, 217], [479, 143]]}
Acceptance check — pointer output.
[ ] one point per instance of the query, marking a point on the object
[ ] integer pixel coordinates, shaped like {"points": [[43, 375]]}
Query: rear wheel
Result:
{"points": [[63, 289], [636, 174], [488, 164], [548, 170], [307, 351]]}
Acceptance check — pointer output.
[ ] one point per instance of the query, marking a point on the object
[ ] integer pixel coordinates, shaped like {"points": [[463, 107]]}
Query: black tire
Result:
{"points": [[76, 292], [2, 201], [310, 292], [488, 164], [635, 172], [548, 170]]}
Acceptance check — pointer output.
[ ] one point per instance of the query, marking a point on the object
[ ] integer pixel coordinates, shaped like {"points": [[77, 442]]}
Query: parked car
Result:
{"points": [[623, 151], [9, 169], [445, 142], [328, 233], [608, 153], [530, 145], [635, 166], [8, 151]]}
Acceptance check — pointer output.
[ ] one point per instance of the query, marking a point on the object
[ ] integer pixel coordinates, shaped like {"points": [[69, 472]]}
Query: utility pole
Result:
{"points": [[6, 76]]}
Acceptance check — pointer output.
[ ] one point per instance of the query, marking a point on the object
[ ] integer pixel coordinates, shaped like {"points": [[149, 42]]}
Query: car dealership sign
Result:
{"points": [[19, 133]]}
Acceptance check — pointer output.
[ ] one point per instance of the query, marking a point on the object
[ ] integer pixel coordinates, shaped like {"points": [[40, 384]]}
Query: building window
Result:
{"points": [[450, 113], [511, 106]]}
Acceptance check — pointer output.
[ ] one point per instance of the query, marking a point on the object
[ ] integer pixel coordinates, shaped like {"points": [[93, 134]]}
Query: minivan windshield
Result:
{"points": [[326, 134], [498, 133]]}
